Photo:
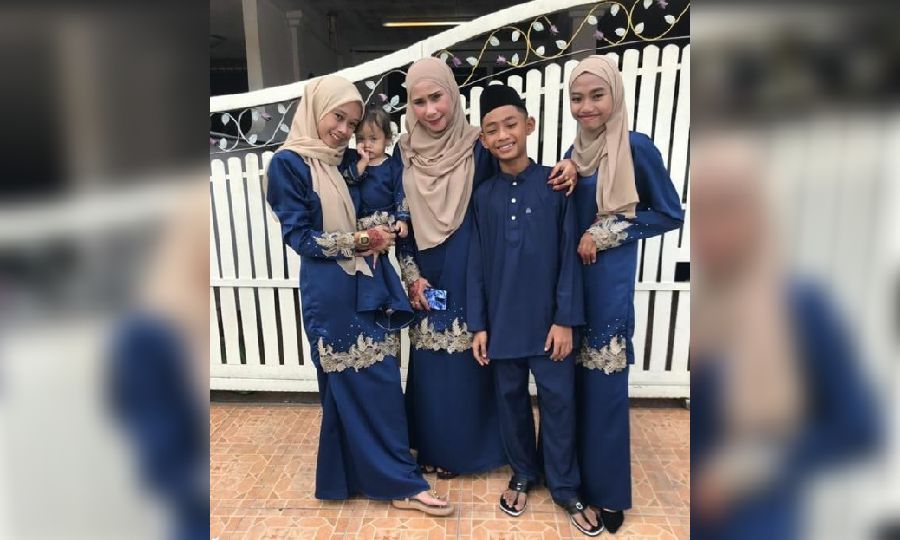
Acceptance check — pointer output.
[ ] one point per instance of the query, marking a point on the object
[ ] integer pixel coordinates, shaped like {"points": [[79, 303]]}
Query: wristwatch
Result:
{"points": [[363, 239]]}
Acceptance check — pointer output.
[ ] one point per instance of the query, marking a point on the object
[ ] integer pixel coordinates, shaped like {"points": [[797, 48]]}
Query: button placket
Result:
{"points": [[513, 200], [512, 234]]}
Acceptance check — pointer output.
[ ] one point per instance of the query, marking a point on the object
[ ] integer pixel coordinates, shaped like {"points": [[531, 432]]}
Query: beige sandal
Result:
{"points": [[410, 503]]}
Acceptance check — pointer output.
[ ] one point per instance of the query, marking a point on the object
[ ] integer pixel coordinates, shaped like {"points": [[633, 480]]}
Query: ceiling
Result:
{"points": [[359, 21]]}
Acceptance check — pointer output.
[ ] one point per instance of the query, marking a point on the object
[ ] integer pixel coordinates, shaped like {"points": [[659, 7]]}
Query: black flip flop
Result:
{"points": [[446, 475], [575, 507], [519, 486]]}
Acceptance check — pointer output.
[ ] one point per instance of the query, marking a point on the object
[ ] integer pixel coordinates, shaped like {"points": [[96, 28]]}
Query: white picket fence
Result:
{"points": [[257, 341]]}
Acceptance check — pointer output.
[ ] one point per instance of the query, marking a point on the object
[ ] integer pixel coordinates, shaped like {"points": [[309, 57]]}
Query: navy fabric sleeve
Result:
{"points": [[406, 247], [150, 395], [476, 309], [486, 165], [569, 285], [843, 417], [348, 167], [659, 209], [297, 207], [401, 207]]}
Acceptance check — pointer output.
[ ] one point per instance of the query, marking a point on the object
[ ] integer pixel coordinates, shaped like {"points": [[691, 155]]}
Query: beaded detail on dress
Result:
{"points": [[336, 243], [609, 358], [609, 232], [409, 270], [456, 338], [361, 355], [374, 220]]}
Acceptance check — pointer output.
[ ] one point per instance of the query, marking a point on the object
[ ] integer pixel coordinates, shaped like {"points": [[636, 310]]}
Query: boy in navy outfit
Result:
{"points": [[524, 296]]}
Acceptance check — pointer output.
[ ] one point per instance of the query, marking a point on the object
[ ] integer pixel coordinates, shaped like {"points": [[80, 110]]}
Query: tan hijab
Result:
{"points": [[739, 314], [437, 169], [338, 213], [607, 151]]}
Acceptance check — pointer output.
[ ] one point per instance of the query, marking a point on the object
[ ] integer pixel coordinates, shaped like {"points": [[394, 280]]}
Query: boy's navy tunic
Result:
{"points": [[363, 444], [524, 277], [450, 399], [606, 349]]}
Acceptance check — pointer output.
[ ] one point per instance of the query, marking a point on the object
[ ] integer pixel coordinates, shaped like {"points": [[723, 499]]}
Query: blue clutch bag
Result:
{"points": [[437, 299]]}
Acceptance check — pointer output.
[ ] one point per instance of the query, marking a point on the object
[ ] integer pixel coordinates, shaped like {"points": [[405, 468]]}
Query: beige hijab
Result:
{"points": [[607, 151], [739, 314], [437, 168], [338, 213]]}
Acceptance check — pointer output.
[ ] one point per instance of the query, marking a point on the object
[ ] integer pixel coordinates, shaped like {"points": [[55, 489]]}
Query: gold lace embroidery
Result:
{"points": [[609, 232], [376, 219], [363, 354], [457, 338], [404, 206], [610, 358], [335, 244], [409, 270]]}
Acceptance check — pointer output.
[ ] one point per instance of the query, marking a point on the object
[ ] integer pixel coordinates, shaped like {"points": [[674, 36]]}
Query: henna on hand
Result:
{"points": [[380, 239]]}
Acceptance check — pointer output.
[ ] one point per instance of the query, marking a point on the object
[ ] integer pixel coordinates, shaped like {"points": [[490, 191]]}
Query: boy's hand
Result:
{"points": [[479, 348], [363, 159], [587, 249], [560, 339], [402, 228], [564, 175]]}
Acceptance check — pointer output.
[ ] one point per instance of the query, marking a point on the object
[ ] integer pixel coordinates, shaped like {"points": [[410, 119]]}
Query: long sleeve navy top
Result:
{"points": [[524, 273]]}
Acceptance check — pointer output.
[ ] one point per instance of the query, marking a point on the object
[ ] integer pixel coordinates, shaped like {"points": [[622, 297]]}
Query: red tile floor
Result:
{"points": [[262, 472]]}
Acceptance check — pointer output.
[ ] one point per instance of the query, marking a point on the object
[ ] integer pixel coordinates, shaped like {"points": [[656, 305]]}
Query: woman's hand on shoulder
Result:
{"points": [[564, 176]]}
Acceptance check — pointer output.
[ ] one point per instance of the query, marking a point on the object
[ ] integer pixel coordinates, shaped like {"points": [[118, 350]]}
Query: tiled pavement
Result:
{"points": [[262, 471]]}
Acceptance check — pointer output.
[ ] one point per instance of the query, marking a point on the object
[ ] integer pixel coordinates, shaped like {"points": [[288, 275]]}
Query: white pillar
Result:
{"points": [[251, 39], [294, 22]]}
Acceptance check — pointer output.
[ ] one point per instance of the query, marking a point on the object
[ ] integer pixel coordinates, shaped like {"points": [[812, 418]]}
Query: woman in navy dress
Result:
{"points": [[779, 396], [450, 399], [624, 195], [363, 444]]}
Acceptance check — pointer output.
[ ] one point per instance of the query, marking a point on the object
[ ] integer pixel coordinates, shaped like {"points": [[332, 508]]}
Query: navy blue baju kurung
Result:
{"points": [[150, 391], [381, 193], [606, 349], [381, 202], [524, 277], [450, 399], [363, 445], [841, 423]]}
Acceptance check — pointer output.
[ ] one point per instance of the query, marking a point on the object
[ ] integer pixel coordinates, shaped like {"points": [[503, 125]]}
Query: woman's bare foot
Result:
{"points": [[430, 498]]}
